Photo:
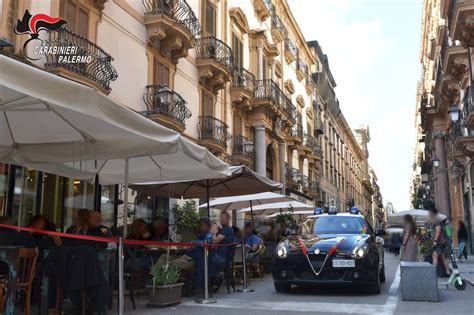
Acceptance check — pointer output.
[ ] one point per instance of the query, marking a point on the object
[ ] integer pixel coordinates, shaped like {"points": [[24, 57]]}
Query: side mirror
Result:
{"points": [[380, 232]]}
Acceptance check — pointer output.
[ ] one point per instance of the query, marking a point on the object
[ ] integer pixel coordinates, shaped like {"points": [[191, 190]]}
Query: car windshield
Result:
{"points": [[339, 225]]}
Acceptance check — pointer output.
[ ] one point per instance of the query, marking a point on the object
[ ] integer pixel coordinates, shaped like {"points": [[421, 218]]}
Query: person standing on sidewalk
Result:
{"points": [[439, 241], [409, 252], [462, 240]]}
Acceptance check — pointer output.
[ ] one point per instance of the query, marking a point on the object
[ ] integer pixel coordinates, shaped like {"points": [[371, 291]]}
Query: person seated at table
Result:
{"points": [[138, 231], [82, 226], [237, 234], [95, 221], [271, 235], [251, 239], [37, 239], [224, 235], [160, 230]]}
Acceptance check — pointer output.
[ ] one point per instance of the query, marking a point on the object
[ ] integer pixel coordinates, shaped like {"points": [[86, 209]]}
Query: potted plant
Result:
{"points": [[187, 220], [166, 287], [426, 249]]}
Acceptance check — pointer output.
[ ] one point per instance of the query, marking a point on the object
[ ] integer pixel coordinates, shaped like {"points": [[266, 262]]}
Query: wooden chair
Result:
{"points": [[26, 271], [254, 263], [238, 262]]}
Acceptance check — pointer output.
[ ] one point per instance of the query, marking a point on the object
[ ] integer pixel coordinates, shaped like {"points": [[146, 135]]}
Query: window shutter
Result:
{"points": [[237, 125], [210, 16], [207, 109], [70, 14], [161, 73], [82, 22]]}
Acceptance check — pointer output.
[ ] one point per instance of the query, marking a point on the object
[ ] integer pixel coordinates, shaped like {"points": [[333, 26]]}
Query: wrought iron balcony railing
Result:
{"points": [[305, 182], [92, 62], [211, 48], [293, 176], [301, 66], [244, 79], [297, 131], [309, 141], [213, 129], [160, 100], [314, 187], [318, 125], [278, 25], [178, 10], [317, 150], [243, 146], [268, 89], [290, 47]]}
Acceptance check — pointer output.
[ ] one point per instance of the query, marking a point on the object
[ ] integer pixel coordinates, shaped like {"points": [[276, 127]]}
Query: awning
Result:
{"points": [[56, 125]]}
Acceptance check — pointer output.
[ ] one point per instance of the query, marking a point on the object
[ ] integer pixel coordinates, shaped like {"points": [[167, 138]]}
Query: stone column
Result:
{"points": [[260, 62], [281, 158], [441, 175], [260, 150]]}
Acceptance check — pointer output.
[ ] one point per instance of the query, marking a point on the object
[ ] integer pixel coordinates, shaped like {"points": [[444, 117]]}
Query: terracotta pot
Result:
{"points": [[166, 295]]}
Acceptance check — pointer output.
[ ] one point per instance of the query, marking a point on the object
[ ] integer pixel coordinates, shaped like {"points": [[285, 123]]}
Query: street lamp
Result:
{"points": [[165, 95], [248, 147], [454, 113], [436, 162]]}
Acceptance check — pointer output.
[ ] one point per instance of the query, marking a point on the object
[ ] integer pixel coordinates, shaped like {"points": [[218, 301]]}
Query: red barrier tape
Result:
{"points": [[112, 239]]}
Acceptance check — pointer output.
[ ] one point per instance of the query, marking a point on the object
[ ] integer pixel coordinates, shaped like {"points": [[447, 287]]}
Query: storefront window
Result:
{"points": [[24, 195], [79, 195], [3, 187], [107, 205], [52, 198]]}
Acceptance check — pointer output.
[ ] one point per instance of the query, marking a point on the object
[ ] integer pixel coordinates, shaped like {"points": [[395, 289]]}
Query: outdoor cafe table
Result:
{"points": [[9, 255]]}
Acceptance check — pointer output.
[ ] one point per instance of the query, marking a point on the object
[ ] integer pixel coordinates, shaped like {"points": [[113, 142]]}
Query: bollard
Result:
{"points": [[120, 269], [245, 289], [206, 299]]}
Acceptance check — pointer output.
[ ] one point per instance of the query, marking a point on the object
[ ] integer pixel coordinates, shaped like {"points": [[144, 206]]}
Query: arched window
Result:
{"points": [[269, 162]]}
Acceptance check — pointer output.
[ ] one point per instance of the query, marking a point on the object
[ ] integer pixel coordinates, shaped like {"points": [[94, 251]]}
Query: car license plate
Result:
{"points": [[343, 263]]}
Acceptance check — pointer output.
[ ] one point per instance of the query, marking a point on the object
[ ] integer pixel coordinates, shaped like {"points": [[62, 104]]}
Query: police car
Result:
{"points": [[332, 248]]}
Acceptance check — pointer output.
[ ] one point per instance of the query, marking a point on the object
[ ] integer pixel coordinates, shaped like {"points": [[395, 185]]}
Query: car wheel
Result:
{"points": [[375, 288], [382, 274], [282, 287]]}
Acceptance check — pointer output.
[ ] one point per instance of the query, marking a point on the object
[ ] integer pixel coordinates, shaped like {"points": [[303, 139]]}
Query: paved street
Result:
{"points": [[326, 300]]}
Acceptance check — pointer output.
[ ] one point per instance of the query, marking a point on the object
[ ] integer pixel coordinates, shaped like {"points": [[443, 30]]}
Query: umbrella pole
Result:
{"points": [[125, 201], [208, 204], [251, 211], [121, 257]]}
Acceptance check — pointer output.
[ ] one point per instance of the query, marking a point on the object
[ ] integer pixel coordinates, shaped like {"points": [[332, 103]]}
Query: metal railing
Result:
{"points": [[297, 131], [300, 65], [305, 182], [178, 10], [309, 141], [214, 49], [318, 125], [293, 176], [211, 128], [278, 24], [243, 146], [91, 61], [290, 47], [244, 79], [317, 150], [174, 107], [268, 89]]}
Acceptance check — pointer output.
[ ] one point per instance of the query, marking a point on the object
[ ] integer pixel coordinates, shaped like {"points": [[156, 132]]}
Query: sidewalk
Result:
{"points": [[451, 300]]}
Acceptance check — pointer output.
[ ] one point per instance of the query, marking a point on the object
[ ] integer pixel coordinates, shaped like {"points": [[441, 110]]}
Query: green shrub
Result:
{"points": [[165, 276]]}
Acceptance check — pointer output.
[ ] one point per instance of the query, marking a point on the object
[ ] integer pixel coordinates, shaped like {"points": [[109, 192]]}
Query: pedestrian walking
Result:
{"points": [[462, 240], [409, 250], [439, 241]]}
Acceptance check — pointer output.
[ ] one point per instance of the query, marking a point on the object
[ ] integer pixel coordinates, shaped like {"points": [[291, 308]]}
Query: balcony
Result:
{"points": [[262, 9], [461, 21], [301, 70], [307, 145], [172, 26], [278, 30], [295, 137], [291, 52], [293, 178], [269, 95], [213, 134], [314, 188], [243, 88], [96, 70], [214, 61], [305, 184], [243, 150], [166, 107], [318, 125]]}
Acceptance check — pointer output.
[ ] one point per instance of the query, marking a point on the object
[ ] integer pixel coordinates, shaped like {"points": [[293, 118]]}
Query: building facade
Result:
{"points": [[236, 77], [442, 166]]}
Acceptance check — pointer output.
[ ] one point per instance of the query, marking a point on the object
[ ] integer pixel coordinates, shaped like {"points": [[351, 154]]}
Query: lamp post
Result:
{"points": [[165, 95], [435, 162], [454, 113]]}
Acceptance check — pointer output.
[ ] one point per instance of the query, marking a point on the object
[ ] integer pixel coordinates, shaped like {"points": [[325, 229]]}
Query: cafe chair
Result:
{"points": [[255, 266], [238, 262], [26, 271]]}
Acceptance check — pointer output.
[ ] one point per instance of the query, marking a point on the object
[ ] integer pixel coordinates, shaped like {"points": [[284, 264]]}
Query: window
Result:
{"points": [[207, 105], [161, 73], [77, 17], [238, 50], [209, 19], [237, 125]]}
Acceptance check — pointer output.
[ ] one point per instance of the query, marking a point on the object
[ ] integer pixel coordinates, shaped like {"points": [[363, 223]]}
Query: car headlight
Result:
{"points": [[282, 250], [360, 251]]}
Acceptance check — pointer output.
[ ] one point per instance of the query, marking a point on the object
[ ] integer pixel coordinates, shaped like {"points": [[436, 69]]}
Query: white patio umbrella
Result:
{"points": [[420, 216], [278, 207], [244, 201], [299, 212], [58, 126]]}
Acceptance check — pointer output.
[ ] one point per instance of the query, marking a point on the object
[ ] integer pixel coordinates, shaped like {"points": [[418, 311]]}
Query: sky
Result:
{"points": [[373, 50]]}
